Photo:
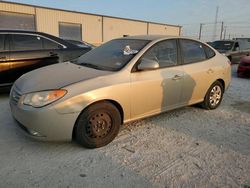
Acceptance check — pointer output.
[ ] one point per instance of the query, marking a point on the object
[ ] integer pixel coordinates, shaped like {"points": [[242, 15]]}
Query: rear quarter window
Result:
{"points": [[209, 52], [48, 44]]}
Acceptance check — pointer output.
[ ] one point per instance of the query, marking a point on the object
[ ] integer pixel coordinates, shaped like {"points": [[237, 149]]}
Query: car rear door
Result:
{"points": [[54, 49], [199, 71], [63, 52], [160, 89], [27, 53], [4, 60]]}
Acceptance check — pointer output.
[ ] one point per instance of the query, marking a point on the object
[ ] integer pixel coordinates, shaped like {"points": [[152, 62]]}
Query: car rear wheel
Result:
{"points": [[98, 125], [214, 96]]}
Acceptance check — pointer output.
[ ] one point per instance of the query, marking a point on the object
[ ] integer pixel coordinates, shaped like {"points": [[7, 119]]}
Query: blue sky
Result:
{"points": [[187, 13]]}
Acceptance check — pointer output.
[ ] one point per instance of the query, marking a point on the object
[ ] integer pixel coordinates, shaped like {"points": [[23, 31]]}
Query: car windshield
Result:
{"points": [[113, 55], [223, 45]]}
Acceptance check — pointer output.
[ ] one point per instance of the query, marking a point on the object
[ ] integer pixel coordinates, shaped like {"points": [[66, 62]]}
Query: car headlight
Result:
{"points": [[43, 98]]}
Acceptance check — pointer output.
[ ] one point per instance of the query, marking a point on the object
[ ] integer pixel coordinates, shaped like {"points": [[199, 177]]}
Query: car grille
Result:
{"points": [[15, 95]]}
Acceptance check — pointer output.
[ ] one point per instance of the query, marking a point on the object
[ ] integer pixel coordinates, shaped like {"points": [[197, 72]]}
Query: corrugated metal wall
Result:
{"points": [[114, 28], [161, 29], [10, 7], [48, 21], [95, 28]]}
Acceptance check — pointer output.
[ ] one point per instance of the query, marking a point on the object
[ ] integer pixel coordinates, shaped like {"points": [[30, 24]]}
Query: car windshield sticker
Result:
{"points": [[128, 51], [118, 64]]}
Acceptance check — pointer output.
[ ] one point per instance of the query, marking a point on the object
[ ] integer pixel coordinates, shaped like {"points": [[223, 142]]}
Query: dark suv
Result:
{"points": [[233, 49], [23, 51]]}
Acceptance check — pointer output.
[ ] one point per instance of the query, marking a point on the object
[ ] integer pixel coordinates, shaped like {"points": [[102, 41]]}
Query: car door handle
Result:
{"points": [[210, 71], [176, 77]]}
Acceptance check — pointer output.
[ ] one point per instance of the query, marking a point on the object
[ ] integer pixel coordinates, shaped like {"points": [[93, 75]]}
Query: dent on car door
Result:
{"points": [[157, 90], [199, 71], [27, 54], [4, 61]]}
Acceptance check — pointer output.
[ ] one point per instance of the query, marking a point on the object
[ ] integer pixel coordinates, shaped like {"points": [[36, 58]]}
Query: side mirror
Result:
{"points": [[148, 64]]}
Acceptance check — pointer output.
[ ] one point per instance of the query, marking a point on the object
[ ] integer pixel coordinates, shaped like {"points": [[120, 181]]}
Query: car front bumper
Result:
{"points": [[44, 123]]}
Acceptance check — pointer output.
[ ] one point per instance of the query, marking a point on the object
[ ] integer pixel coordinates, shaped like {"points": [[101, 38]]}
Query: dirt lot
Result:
{"points": [[188, 147]]}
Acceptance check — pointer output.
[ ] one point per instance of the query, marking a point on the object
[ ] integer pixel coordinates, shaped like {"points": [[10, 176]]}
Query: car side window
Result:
{"points": [[2, 42], [236, 46], [26, 42], [48, 44], [192, 51], [210, 53], [165, 53]]}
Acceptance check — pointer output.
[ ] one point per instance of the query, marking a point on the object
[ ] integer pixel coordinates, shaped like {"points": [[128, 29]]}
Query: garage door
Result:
{"points": [[70, 31], [17, 21]]}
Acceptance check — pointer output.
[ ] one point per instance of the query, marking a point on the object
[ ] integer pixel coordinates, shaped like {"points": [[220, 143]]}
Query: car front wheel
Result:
{"points": [[98, 125]]}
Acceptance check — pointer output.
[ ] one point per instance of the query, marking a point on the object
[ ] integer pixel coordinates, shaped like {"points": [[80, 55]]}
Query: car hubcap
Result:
{"points": [[99, 125], [215, 96]]}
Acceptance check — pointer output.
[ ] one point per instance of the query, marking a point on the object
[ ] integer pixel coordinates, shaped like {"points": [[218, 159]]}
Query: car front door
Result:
{"points": [[27, 53], [154, 91], [4, 60]]}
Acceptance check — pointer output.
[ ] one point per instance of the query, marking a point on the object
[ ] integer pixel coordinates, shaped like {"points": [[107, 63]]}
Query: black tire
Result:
{"points": [[212, 100], [98, 125]]}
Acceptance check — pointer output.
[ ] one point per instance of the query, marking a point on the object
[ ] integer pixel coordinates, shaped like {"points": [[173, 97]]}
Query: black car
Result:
{"points": [[23, 51]]}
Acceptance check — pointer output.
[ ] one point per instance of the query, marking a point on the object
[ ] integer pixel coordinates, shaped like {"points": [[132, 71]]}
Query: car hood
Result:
{"points": [[55, 77]]}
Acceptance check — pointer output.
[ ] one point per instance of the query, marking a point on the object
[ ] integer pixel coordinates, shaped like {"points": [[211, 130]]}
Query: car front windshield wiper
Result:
{"points": [[91, 66], [98, 67]]}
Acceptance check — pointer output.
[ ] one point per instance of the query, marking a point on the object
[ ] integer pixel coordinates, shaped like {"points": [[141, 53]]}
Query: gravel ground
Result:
{"points": [[188, 147]]}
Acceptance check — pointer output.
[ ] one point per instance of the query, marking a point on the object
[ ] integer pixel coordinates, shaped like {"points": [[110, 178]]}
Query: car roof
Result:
{"points": [[156, 37], [19, 31], [148, 37], [39, 33], [224, 41]]}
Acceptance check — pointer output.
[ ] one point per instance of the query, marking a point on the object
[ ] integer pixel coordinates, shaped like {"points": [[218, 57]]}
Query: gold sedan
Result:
{"points": [[121, 81]]}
